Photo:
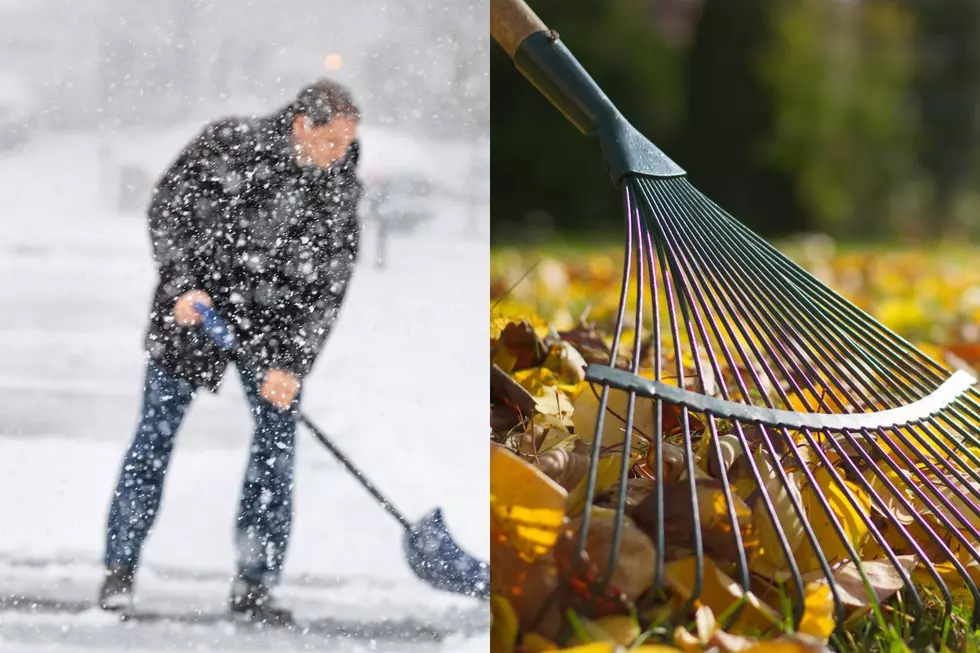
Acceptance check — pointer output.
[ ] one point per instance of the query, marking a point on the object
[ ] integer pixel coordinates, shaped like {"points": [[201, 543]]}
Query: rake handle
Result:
{"points": [[540, 56], [512, 21]]}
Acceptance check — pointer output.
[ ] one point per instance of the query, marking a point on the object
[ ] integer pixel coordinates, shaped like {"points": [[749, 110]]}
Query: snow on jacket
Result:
{"points": [[273, 242]]}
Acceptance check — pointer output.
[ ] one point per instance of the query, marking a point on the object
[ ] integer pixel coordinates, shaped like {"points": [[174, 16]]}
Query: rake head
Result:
{"points": [[792, 439], [789, 442]]}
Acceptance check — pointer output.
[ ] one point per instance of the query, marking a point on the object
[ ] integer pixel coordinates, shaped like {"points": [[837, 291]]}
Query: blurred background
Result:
{"points": [[853, 118], [127, 76]]}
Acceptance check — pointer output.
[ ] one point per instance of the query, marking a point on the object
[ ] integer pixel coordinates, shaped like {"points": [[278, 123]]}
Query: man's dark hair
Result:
{"points": [[324, 100]]}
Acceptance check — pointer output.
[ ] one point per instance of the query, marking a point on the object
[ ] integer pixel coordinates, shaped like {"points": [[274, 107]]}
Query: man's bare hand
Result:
{"points": [[184, 312], [280, 388]]}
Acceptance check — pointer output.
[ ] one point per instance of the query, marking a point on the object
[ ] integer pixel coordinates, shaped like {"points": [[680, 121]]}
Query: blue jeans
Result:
{"points": [[265, 512]]}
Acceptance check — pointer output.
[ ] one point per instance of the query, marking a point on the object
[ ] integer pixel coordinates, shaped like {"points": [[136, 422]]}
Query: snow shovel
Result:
{"points": [[429, 547]]}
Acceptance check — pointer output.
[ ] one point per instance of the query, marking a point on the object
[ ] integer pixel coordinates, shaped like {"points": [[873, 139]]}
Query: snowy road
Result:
{"points": [[400, 385]]}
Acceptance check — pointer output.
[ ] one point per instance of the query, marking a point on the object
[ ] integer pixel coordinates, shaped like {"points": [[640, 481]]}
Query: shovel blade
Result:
{"points": [[437, 560]]}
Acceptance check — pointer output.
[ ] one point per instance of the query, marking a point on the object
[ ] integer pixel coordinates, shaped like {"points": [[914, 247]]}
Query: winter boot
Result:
{"points": [[252, 599], [117, 588]]}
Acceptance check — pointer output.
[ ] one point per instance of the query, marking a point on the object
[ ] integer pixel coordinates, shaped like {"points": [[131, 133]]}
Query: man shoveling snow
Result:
{"points": [[257, 218]]}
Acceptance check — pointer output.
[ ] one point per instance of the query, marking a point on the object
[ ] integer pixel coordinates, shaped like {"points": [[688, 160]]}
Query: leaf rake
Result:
{"points": [[854, 454]]}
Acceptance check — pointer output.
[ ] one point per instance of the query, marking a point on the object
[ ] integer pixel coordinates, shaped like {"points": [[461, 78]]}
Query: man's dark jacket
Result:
{"points": [[273, 242]]}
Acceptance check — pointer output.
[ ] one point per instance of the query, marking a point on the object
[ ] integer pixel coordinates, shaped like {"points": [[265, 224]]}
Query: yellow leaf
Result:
{"points": [[503, 625], [623, 630], [809, 402], [566, 362], [818, 612], [713, 509], [505, 359], [769, 560], [506, 314], [784, 646], [617, 629], [526, 506], [719, 592], [536, 380], [573, 391], [595, 647], [534, 643], [607, 475], [850, 519], [548, 396], [586, 416]]}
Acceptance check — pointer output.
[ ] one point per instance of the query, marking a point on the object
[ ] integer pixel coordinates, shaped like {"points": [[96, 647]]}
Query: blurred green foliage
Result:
{"points": [[857, 118]]}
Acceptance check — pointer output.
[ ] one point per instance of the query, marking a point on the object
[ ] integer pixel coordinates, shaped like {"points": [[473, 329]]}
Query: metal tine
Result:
{"points": [[723, 267], [907, 395], [591, 477], [853, 317], [742, 562], [634, 220], [604, 399], [658, 435], [802, 279], [680, 256], [890, 554], [875, 381], [901, 390], [874, 497], [933, 572], [672, 297]]}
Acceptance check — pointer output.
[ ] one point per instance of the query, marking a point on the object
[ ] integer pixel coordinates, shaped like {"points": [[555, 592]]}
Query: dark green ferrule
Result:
{"points": [[545, 61]]}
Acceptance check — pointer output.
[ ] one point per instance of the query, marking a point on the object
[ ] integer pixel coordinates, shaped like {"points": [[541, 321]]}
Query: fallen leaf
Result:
{"points": [[534, 643], [503, 625], [594, 647], [504, 419], [818, 612], [716, 528], [550, 398], [614, 421], [769, 559], [634, 570], [850, 519], [567, 468], [523, 344], [637, 489], [506, 389], [504, 316], [710, 636], [618, 629], [525, 585], [608, 473], [789, 644], [731, 450], [884, 578], [526, 507], [719, 592], [672, 464], [566, 362]]}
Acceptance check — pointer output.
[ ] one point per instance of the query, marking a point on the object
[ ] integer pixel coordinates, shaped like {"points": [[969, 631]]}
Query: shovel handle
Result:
{"points": [[512, 21], [215, 326]]}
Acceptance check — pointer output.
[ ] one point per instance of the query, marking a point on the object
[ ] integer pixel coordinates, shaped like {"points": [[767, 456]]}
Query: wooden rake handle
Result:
{"points": [[512, 21]]}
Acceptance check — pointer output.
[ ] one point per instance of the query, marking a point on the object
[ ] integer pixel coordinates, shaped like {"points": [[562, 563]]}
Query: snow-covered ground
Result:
{"points": [[400, 386]]}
